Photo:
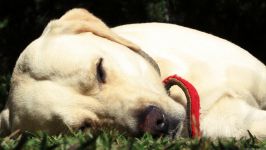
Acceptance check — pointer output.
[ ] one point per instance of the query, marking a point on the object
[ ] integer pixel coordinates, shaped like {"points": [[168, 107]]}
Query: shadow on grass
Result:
{"points": [[4, 88]]}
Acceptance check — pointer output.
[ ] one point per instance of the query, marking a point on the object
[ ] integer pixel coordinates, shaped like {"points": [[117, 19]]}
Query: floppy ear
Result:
{"points": [[80, 20]]}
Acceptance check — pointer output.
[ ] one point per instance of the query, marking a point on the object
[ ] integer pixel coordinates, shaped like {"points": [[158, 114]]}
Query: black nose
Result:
{"points": [[154, 121]]}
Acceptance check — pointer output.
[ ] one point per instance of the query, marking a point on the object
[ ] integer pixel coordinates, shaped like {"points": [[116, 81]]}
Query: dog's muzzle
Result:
{"points": [[154, 121]]}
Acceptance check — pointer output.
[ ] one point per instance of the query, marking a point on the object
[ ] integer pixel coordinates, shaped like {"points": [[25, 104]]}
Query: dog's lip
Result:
{"points": [[173, 133], [84, 126]]}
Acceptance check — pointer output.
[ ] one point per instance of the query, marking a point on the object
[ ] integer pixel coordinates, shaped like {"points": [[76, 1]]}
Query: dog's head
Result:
{"points": [[79, 73]]}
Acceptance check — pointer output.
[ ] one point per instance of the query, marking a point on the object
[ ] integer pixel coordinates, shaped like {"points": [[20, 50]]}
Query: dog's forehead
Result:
{"points": [[87, 47], [122, 57]]}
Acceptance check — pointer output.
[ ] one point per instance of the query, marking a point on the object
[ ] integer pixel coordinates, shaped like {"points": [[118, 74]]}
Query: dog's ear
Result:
{"points": [[80, 20]]}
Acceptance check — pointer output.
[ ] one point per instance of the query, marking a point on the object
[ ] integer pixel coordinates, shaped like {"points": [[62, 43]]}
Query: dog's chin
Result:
{"points": [[86, 127], [179, 131], [171, 134], [105, 125]]}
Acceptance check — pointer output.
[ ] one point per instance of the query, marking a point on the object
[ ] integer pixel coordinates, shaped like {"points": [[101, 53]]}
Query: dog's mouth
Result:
{"points": [[85, 126]]}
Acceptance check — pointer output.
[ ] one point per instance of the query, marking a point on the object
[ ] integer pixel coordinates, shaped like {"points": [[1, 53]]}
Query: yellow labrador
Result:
{"points": [[80, 73]]}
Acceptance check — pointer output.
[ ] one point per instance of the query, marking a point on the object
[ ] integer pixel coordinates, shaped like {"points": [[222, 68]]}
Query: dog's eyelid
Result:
{"points": [[100, 72]]}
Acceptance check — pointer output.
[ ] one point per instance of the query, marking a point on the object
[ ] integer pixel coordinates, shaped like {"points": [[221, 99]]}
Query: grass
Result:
{"points": [[106, 139]]}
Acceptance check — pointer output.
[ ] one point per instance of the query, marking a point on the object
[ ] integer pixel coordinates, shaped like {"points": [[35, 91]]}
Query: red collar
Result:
{"points": [[193, 103]]}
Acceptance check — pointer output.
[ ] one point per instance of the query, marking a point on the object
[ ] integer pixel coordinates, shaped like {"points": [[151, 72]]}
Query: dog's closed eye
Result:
{"points": [[101, 74]]}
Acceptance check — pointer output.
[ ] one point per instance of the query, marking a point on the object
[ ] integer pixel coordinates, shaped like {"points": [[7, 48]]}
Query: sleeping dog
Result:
{"points": [[80, 73]]}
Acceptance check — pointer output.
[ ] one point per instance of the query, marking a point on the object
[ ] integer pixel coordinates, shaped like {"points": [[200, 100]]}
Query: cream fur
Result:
{"points": [[54, 85]]}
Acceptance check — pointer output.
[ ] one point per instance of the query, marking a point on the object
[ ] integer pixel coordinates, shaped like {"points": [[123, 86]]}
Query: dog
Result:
{"points": [[80, 73]]}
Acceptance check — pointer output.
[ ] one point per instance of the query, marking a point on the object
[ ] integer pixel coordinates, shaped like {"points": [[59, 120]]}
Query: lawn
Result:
{"points": [[115, 140]]}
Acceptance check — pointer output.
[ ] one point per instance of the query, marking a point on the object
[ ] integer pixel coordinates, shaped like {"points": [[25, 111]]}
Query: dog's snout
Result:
{"points": [[154, 121]]}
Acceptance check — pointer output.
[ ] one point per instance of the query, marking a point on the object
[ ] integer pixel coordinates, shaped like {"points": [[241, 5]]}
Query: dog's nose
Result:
{"points": [[153, 120]]}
